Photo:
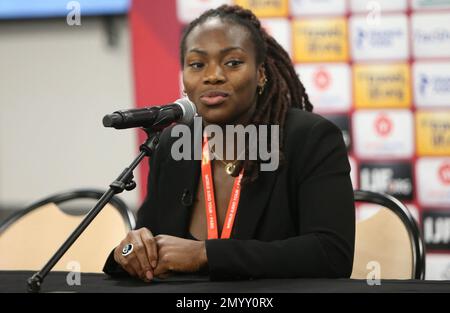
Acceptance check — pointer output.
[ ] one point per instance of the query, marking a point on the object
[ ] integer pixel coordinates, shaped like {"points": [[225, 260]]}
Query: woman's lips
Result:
{"points": [[213, 98]]}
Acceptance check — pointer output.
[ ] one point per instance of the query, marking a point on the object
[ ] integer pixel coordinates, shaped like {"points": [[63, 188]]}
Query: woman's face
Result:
{"points": [[220, 73]]}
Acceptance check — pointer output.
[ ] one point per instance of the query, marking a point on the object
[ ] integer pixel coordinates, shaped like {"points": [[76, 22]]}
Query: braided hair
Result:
{"points": [[283, 88]]}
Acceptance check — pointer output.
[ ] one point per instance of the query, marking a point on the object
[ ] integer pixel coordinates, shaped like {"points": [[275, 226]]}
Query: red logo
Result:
{"points": [[383, 125], [444, 173], [322, 79]]}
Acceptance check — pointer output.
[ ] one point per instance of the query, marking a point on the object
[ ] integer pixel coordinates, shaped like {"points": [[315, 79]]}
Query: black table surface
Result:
{"points": [[15, 281]]}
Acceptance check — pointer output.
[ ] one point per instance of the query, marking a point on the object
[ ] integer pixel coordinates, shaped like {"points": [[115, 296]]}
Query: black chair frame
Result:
{"points": [[58, 198], [396, 206]]}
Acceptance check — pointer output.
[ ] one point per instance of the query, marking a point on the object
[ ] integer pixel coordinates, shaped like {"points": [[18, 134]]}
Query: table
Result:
{"points": [[15, 281]]}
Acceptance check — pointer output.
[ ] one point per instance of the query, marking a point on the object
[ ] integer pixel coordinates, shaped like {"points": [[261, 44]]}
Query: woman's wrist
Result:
{"points": [[202, 257]]}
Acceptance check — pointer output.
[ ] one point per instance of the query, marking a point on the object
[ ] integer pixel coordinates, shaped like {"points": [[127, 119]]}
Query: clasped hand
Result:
{"points": [[160, 255]]}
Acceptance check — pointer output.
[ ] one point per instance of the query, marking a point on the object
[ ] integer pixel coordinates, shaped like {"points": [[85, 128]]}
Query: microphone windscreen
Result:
{"points": [[189, 110], [111, 120]]}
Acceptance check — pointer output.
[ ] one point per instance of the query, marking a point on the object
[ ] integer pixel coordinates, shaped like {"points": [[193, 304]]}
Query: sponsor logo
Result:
{"points": [[382, 85], [436, 230], [383, 134], [432, 37], [377, 38], [433, 84], [320, 40], [322, 79], [383, 125], [433, 133], [433, 181], [391, 178], [328, 85], [444, 173]]}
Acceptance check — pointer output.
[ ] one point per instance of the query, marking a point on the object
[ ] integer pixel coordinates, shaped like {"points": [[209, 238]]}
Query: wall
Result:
{"points": [[56, 83]]}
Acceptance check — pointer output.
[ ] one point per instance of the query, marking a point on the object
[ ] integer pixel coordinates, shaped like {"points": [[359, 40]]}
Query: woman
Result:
{"points": [[296, 221]]}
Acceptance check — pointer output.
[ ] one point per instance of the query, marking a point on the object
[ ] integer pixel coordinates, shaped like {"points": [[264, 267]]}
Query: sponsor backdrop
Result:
{"points": [[380, 70]]}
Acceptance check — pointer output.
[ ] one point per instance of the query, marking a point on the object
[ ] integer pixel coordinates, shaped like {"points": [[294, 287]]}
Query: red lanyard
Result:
{"points": [[210, 203]]}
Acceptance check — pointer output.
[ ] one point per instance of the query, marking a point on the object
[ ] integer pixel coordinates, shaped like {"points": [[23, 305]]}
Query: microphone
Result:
{"points": [[155, 118]]}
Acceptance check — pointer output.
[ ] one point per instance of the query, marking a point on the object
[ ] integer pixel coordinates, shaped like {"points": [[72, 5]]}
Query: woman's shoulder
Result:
{"points": [[307, 133], [309, 139], [301, 123]]}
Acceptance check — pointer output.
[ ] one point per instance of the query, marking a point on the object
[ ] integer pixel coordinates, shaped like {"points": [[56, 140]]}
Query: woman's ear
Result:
{"points": [[261, 75]]}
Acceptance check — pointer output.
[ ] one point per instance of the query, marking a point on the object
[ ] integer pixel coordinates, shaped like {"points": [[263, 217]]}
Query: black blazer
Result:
{"points": [[298, 221]]}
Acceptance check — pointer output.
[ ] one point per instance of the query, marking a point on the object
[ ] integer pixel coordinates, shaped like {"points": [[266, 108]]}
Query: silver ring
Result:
{"points": [[127, 249]]}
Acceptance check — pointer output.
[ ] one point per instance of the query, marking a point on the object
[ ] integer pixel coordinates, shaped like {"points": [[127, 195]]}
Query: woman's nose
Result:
{"points": [[213, 74]]}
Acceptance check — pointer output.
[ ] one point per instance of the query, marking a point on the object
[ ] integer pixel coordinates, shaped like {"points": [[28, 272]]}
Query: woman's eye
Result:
{"points": [[234, 63], [196, 65]]}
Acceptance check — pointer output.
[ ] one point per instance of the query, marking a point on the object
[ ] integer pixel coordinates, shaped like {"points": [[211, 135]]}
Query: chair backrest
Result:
{"points": [[29, 238], [390, 237]]}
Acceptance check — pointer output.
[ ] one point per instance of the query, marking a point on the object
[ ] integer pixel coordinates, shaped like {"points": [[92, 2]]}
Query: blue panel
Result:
{"points": [[10, 9]]}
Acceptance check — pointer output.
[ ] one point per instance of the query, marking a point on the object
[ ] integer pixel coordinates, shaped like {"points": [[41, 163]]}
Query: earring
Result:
{"points": [[261, 88]]}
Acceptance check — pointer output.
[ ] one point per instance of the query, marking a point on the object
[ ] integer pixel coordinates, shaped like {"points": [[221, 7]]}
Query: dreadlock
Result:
{"points": [[283, 88]]}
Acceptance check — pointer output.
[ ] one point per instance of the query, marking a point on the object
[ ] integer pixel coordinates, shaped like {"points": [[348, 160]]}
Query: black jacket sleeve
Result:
{"points": [[325, 219]]}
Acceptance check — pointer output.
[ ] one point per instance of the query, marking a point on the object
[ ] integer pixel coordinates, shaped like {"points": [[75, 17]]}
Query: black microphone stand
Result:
{"points": [[123, 182]]}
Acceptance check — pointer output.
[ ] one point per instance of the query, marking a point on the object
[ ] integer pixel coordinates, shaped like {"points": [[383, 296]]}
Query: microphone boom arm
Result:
{"points": [[123, 182]]}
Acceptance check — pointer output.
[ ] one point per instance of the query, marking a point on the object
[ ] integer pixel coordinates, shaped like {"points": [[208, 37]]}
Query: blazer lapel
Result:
{"points": [[252, 203]]}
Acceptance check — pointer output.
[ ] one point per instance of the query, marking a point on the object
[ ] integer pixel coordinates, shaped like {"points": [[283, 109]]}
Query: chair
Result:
{"points": [[29, 238], [390, 237]]}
